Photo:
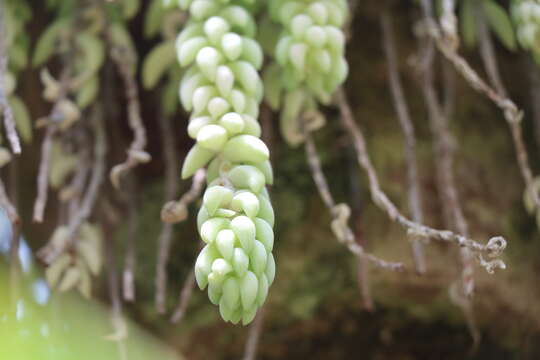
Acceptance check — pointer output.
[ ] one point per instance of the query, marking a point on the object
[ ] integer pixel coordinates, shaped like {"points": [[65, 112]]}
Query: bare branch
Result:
{"points": [[512, 114], [177, 210], [136, 152], [444, 146], [43, 174], [339, 212], [487, 51], [448, 21], [534, 71], [130, 260], [172, 185], [492, 249], [118, 323], [254, 334], [183, 299], [48, 254], [407, 127], [54, 118]]}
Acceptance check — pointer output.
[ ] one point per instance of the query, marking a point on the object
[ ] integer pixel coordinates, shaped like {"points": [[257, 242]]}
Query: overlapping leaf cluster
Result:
{"points": [[223, 90], [309, 62], [526, 15]]}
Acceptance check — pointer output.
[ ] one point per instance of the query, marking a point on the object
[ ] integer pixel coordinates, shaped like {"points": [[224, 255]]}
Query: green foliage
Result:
{"points": [[497, 20], [467, 23], [500, 23], [223, 90], [157, 62]]}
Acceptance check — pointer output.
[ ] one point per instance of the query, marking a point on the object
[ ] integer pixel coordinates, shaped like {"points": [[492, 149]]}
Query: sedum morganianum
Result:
{"points": [[309, 61], [526, 16], [223, 90]]}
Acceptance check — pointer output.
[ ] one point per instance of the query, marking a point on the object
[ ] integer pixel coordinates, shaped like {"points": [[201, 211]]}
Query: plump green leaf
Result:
{"points": [[467, 23], [22, 118], [157, 62], [500, 23], [47, 42]]}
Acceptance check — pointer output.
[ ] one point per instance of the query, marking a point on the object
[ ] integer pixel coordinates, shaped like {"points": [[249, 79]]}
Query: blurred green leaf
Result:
{"points": [[467, 23], [157, 62], [500, 23]]}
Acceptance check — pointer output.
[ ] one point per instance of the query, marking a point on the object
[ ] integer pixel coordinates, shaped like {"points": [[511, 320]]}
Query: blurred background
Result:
{"points": [[316, 308]]}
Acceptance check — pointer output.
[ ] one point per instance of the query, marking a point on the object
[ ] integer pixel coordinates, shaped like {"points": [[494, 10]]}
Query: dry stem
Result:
{"points": [[407, 127], [346, 235], [130, 260], [171, 188], [512, 114], [48, 254], [493, 248], [254, 334], [177, 210], [183, 299], [136, 152]]}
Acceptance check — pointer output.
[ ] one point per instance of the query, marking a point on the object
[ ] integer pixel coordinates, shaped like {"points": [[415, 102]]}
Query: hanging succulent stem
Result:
{"points": [[407, 127], [9, 122], [493, 249], [255, 329], [340, 212]]}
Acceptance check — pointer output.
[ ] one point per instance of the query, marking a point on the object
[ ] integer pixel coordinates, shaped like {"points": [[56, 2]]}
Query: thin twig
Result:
{"points": [[362, 268], [48, 254], [183, 299], [487, 51], [74, 191], [136, 153], [448, 21], [512, 114], [172, 185], [120, 330], [492, 249], [9, 122], [407, 127], [54, 118], [43, 174], [534, 71], [254, 335], [130, 260], [444, 146], [177, 210], [342, 230]]}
